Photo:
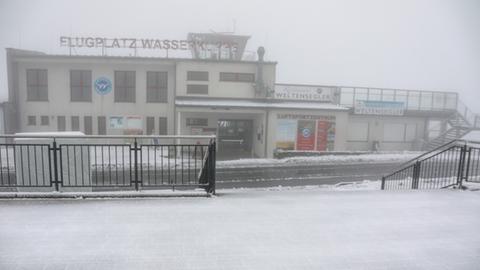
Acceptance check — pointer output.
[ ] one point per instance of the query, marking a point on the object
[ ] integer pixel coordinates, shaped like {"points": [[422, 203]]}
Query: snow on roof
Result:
{"points": [[52, 134], [258, 104], [59, 133]]}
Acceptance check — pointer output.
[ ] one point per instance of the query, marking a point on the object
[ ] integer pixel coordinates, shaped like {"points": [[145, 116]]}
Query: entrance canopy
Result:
{"points": [[267, 104]]}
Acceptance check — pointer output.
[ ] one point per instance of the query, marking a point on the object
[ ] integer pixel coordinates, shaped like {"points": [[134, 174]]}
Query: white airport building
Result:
{"points": [[217, 92]]}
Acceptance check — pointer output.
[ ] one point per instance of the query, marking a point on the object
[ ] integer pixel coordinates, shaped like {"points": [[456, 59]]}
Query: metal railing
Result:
{"points": [[448, 165], [416, 100], [95, 163], [468, 115]]}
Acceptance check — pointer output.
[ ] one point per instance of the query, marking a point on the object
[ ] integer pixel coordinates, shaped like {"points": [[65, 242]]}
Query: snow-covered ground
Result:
{"points": [[275, 228], [348, 158]]}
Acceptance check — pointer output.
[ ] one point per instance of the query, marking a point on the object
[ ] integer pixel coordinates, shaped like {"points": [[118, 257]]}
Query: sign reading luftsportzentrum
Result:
{"points": [[305, 132]]}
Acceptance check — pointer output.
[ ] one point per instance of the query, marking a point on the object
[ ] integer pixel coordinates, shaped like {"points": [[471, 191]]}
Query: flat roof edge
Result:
{"points": [[18, 53]]}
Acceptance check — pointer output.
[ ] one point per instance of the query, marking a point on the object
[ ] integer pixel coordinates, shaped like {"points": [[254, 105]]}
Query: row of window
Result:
{"points": [[202, 89], [81, 86], [124, 84], [101, 124], [224, 76], [392, 132]]}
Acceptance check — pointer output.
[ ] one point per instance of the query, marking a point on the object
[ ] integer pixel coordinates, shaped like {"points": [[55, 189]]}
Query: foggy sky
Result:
{"points": [[411, 44]]}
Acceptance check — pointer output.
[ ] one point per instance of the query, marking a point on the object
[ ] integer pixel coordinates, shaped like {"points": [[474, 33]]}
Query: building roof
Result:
{"points": [[17, 53], [269, 104]]}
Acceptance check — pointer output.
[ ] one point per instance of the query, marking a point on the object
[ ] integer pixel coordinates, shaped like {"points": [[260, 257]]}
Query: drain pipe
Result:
{"points": [[259, 85]]}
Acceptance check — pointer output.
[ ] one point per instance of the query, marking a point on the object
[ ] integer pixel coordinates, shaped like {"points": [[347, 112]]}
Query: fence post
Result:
{"points": [[211, 167], [467, 169], [416, 175], [55, 164], [135, 165], [383, 183], [461, 165], [214, 167]]}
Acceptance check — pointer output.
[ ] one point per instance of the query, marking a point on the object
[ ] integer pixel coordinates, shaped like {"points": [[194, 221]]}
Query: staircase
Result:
{"points": [[462, 122], [448, 165]]}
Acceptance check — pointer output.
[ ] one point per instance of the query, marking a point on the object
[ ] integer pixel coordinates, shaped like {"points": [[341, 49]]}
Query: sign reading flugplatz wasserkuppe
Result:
{"points": [[134, 43]]}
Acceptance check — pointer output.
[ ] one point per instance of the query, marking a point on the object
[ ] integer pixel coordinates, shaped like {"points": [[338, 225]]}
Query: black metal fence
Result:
{"points": [[445, 166], [107, 162]]}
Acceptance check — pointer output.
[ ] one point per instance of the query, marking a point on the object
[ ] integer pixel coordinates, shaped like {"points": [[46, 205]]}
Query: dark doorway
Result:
{"points": [[61, 123], [234, 138]]}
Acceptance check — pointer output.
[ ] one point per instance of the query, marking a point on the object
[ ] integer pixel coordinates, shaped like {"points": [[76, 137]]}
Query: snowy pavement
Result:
{"points": [[276, 228], [353, 157]]}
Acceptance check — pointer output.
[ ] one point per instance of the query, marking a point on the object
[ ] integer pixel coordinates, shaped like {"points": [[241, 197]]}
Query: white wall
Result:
{"points": [[59, 93], [2, 122], [392, 132], [216, 88]]}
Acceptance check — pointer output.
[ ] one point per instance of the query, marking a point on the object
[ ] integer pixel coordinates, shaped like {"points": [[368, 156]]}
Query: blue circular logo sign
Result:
{"points": [[103, 85], [306, 132]]}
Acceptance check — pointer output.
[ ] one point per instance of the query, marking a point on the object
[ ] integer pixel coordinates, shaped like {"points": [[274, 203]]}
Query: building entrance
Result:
{"points": [[234, 138]]}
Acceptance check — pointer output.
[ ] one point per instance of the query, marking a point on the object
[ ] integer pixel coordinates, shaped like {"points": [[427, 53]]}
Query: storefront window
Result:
{"points": [[305, 133]]}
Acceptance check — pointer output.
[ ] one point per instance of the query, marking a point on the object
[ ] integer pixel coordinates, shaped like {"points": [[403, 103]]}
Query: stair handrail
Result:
{"points": [[444, 133], [468, 115], [433, 152], [415, 159]]}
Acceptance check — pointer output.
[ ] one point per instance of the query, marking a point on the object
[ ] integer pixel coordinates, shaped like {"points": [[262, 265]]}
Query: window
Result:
{"points": [[37, 85], [75, 123], [162, 126], [61, 123], [150, 125], [358, 132], [157, 86], [87, 125], [124, 86], [393, 132], [410, 132], [237, 77], [197, 76], [197, 89], [44, 120], [80, 85], [32, 120], [102, 125]]}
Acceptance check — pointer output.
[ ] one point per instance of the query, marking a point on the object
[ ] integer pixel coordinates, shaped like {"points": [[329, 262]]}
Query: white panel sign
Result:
{"points": [[116, 122], [379, 107], [304, 92]]}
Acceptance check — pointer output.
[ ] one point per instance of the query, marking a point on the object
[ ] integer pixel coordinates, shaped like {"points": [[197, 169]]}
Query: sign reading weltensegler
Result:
{"points": [[379, 107], [306, 92]]}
